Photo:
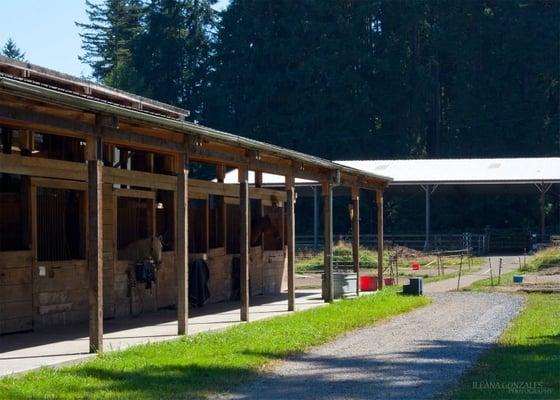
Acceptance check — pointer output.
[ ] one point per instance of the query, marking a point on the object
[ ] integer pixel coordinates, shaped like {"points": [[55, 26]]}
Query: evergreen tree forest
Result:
{"points": [[350, 79]]}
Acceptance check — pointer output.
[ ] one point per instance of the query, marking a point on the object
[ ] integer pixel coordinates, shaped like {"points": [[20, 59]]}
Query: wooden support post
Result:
{"points": [[328, 290], [356, 235], [95, 243], [315, 218], [427, 192], [221, 177], [26, 142], [182, 260], [258, 179], [379, 200], [258, 184], [220, 173], [542, 212], [244, 242], [543, 189], [291, 239]]}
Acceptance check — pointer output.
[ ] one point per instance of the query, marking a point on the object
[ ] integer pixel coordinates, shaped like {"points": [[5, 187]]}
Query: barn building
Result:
{"points": [[100, 219]]}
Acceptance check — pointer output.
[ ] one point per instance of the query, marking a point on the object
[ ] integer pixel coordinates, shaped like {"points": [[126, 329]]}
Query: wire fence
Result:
{"points": [[478, 243], [492, 241]]}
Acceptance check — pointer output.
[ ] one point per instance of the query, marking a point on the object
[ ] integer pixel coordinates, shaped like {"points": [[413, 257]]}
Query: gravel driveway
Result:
{"points": [[412, 356]]}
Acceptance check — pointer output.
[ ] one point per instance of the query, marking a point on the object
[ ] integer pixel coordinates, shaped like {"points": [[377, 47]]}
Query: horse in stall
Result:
{"points": [[262, 226], [143, 249]]}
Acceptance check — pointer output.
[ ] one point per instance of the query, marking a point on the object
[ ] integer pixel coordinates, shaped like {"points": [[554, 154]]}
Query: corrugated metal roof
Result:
{"points": [[448, 171]]}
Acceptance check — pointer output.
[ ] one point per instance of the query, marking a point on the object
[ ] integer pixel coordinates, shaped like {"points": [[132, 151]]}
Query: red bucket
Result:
{"points": [[415, 266], [368, 283], [389, 281]]}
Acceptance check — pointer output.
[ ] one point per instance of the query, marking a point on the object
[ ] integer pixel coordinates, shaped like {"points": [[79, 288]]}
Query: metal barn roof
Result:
{"points": [[465, 171], [447, 171]]}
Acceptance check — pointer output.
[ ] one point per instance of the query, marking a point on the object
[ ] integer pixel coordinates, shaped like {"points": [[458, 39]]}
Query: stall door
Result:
{"points": [[60, 275]]}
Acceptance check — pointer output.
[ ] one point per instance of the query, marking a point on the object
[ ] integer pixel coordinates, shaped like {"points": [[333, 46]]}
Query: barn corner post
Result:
{"points": [[379, 201], [290, 211], [244, 241], [182, 171], [95, 239], [328, 286], [356, 234]]}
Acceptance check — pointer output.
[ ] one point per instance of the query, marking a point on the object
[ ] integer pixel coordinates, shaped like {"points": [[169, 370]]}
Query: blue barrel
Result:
{"points": [[518, 278]]}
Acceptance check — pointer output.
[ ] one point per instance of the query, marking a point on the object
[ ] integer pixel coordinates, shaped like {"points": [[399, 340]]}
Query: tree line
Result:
{"points": [[345, 79], [354, 79]]}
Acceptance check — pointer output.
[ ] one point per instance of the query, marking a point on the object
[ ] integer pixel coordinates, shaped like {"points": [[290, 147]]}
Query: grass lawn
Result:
{"points": [[526, 362], [196, 366], [544, 258]]}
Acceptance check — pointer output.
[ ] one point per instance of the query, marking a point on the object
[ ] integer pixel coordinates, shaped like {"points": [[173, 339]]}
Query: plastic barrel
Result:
{"points": [[368, 283]]}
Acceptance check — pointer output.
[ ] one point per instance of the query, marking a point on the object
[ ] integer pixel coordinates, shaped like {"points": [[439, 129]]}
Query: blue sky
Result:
{"points": [[45, 31]]}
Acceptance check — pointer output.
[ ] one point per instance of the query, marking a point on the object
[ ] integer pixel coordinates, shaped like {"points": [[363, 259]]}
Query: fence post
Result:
{"points": [[499, 271], [491, 275], [460, 270]]}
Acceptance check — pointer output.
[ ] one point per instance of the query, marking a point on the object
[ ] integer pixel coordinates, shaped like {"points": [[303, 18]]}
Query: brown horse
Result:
{"points": [[263, 226]]}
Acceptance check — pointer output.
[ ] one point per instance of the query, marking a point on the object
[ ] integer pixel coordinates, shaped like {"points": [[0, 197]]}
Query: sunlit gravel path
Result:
{"points": [[412, 356]]}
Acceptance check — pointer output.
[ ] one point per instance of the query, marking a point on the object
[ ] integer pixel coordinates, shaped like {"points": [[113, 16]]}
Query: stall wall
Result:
{"points": [[59, 296]]}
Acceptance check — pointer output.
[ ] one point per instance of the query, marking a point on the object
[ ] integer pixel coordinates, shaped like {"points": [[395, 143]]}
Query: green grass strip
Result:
{"points": [[526, 362], [207, 363], [544, 258]]}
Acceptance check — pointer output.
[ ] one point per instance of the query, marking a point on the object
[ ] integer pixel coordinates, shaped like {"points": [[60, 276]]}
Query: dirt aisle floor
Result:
{"points": [[412, 356]]}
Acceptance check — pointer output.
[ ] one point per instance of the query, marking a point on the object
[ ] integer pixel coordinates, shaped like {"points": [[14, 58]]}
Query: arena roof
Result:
{"points": [[447, 171]]}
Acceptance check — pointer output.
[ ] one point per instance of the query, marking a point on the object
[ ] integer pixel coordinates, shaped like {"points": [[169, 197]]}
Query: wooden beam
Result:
{"points": [[356, 235], [95, 246], [34, 119], [379, 200], [232, 190], [42, 167], [328, 289], [137, 194], [203, 154], [244, 242], [59, 184], [291, 240], [22, 118], [182, 243], [139, 178]]}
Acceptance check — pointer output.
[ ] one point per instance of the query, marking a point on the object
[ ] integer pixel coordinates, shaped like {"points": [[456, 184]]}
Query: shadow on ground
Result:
{"points": [[420, 374]]}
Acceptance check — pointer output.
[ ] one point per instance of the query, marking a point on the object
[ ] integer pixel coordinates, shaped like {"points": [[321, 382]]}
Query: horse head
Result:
{"points": [[272, 229], [156, 248], [263, 225]]}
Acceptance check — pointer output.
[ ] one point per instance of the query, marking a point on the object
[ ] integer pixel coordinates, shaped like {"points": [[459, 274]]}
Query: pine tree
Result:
{"points": [[11, 50], [297, 74], [108, 37], [173, 51]]}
